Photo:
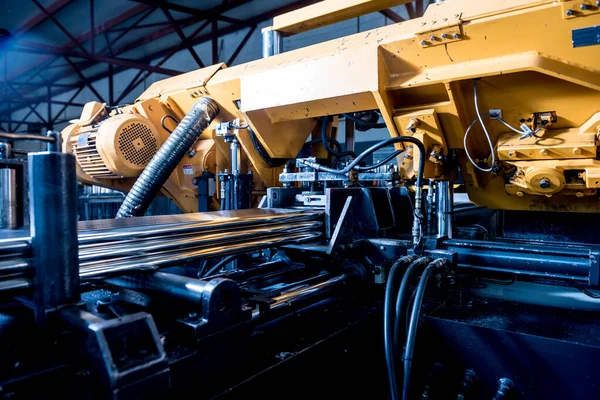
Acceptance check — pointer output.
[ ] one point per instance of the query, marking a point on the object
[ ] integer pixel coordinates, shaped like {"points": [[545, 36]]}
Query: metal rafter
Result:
{"points": [[127, 15], [32, 47], [216, 13], [182, 37], [241, 45], [60, 26], [391, 15], [84, 79], [68, 103]]}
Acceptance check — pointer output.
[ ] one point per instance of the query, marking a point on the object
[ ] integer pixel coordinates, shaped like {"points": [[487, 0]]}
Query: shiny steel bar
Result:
{"points": [[14, 284], [116, 267], [145, 227], [12, 266], [131, 248], [8, 199]]}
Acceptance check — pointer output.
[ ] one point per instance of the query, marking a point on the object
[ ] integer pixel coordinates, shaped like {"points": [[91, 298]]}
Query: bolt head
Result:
{"points": [[444, 36], [579, 194], [511, 153], [456, 36], [569, 13], [583, 7], [544, 183], [382, 248], [432, 38], [577, 151], [423, 43], [520, 194], [544, 152], [191, 153]]}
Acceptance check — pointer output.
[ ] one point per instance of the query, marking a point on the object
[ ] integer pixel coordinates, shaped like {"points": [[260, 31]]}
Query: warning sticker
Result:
{"points": [[188, 169]]}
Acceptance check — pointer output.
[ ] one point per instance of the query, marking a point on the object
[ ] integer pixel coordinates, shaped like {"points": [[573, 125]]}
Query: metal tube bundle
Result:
{"points": [[115, 247]]}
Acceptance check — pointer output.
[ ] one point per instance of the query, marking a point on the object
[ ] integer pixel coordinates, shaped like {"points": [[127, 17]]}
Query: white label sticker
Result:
{"points": [[188, 169]]}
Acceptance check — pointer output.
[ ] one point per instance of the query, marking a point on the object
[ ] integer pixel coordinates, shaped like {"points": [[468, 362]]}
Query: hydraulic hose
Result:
{"points": [[412, 269], [326, 143], [163, 163], [388, 318], [416, 229], [366, 124], [380, 163], [411, 336]]}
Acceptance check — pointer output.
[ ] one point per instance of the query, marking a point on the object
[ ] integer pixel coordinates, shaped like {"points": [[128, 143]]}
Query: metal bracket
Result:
{"points": [[575, 9], [440, 30]]}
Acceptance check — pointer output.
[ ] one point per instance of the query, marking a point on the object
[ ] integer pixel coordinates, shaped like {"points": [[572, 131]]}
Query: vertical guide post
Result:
{"points": [[445, 203], [272, 42], [53, 214]]}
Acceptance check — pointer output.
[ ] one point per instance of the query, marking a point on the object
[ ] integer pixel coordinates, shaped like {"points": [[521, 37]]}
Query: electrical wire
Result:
{"points": [[271, 162], [487, 135], [582, 289], [363, 122]]}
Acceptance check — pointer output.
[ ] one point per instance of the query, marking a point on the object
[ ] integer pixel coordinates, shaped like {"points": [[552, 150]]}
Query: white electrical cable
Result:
{"points": [[467, 149], [520, 132]]}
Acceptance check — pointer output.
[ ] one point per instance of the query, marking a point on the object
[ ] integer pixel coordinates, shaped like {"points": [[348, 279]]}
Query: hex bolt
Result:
{"points": [[445, 36], [544, 152], [544, 183], [456, 36], [432, 38], [577, 151], [423, 43], [382, 248], [579, 194], [583, 7], [520, 194], [192, 153], [511, 153], [569, 13]]}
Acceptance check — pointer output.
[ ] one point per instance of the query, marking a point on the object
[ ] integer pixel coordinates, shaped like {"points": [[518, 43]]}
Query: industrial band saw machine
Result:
{"points": [[464, 263]]}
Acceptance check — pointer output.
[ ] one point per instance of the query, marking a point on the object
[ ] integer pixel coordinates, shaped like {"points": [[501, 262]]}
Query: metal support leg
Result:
{"points": [[272, 42], [53, 213], [444, 201]]}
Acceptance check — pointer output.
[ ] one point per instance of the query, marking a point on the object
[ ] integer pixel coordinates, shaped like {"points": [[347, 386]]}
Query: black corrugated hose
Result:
{"points": [[163, 163]]}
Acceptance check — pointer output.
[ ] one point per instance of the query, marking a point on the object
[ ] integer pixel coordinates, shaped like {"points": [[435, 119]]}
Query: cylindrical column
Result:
{"points": [[8, 199], [234, 148], [53, 215], [444, 201], [272, 42]]}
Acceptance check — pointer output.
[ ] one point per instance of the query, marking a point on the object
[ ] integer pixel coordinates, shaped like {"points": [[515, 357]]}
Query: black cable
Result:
{"points": [[411, 336], [372, 149], [380, 163], [582, 289], [271, 162], [412, 269], [363, 122], [162, 122], [326, 142], [388, 317], [220, 264]]}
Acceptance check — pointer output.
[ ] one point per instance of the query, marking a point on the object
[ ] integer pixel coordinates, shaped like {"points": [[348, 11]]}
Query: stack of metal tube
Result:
{"points": [[110, 248]]}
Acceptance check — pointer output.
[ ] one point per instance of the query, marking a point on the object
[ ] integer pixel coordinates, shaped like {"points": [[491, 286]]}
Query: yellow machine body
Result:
{"points": [[419, 74]]}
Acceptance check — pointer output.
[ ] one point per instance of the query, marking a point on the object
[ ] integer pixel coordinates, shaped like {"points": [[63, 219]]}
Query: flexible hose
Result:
{"points": [[364, 123], [326, 144], [388, 318], [412, 269], [380, 163], [168, 156], [411, 336]]}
